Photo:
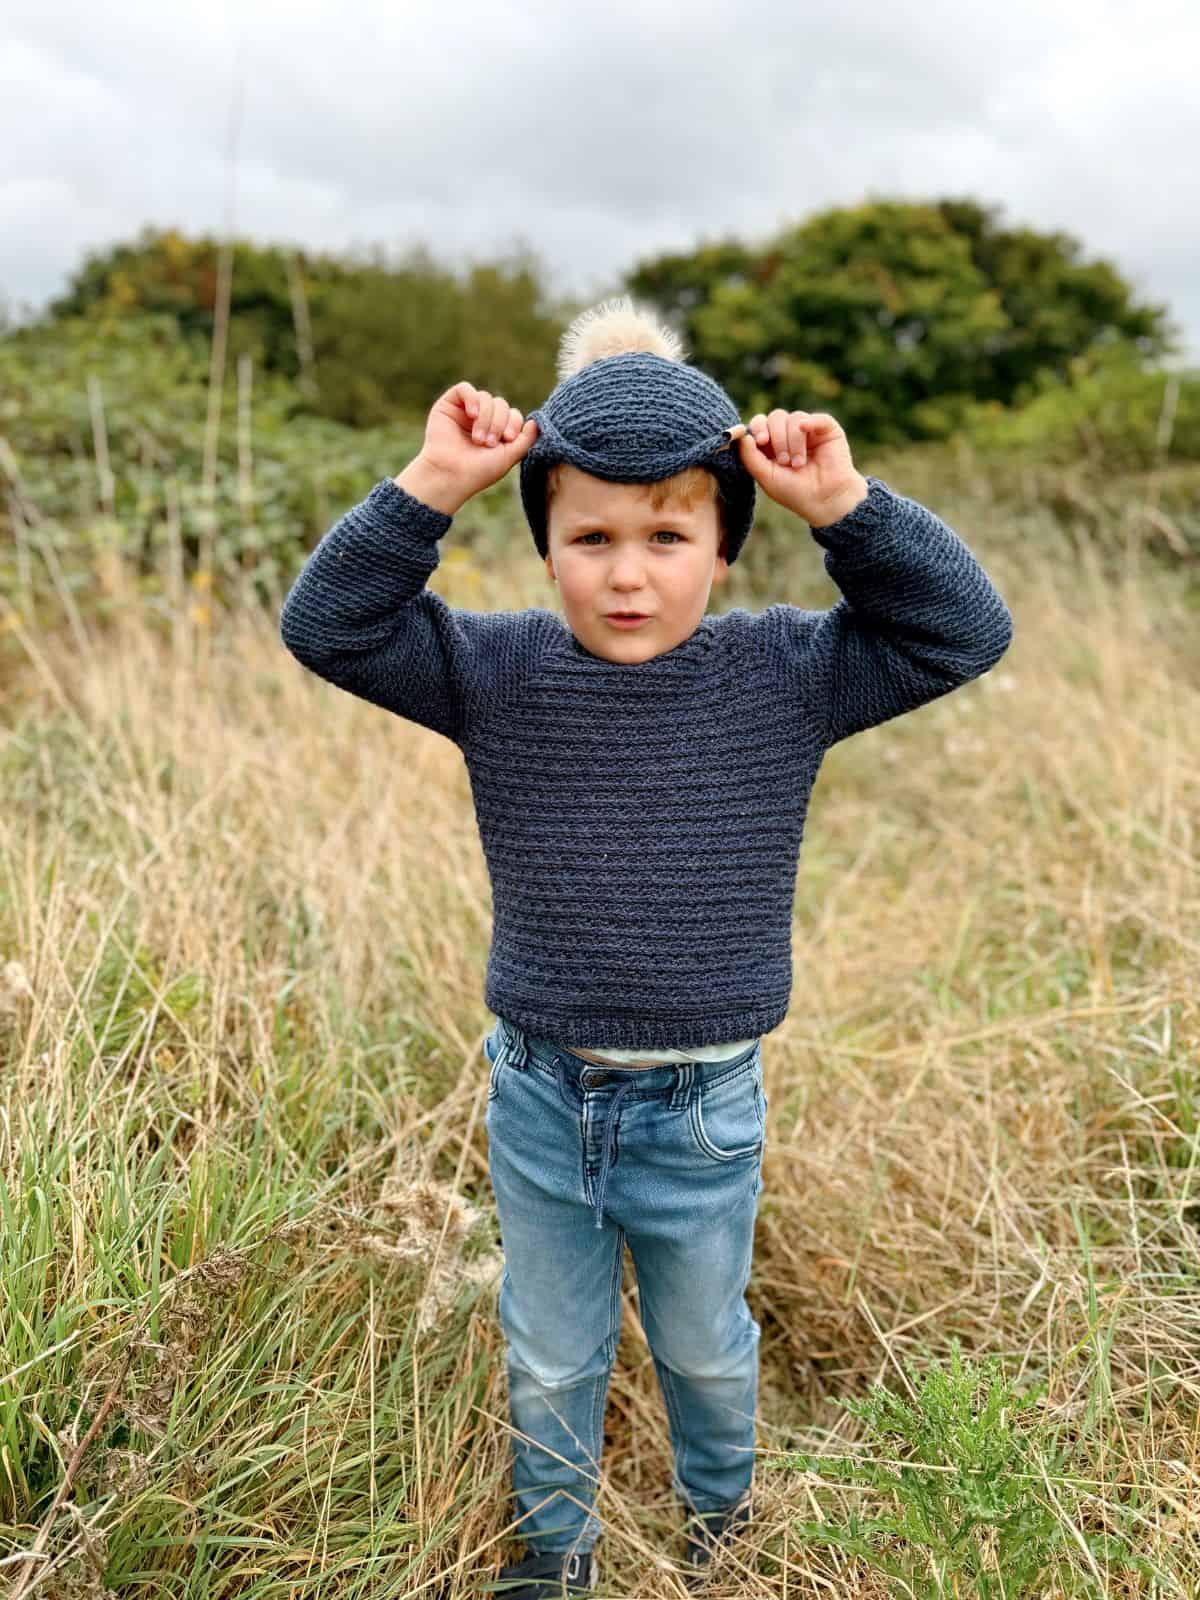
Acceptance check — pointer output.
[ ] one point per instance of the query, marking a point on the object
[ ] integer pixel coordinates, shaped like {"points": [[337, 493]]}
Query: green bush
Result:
{"points": [[1110, 411], [103, 426]]}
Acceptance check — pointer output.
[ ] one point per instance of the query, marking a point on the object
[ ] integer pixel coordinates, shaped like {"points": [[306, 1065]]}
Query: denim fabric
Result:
{"points": [[583, 1158]]}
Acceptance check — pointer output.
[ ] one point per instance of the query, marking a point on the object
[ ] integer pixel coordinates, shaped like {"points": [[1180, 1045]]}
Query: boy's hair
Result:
{"points": [[691, 487]]}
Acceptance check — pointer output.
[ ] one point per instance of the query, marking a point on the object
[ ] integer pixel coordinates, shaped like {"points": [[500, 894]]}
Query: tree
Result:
{"points": [[369, 340], [896, 316]]}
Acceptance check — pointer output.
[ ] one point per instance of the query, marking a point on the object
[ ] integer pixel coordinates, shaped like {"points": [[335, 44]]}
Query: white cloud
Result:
{"points": [[601, 135]]}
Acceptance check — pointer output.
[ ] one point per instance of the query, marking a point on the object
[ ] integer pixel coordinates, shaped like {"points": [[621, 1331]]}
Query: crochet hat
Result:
{"points": [[630, 409]]}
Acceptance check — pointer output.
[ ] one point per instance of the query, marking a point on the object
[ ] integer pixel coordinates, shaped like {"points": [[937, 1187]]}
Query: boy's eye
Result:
{"points": [[597, 533]]}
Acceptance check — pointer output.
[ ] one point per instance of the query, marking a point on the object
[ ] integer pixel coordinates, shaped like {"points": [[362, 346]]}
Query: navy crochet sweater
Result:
{"points": [[641, 822]]}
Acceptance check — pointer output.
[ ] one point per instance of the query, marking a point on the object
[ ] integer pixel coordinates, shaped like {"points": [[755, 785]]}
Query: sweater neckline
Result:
{"points": [[688, 652]]}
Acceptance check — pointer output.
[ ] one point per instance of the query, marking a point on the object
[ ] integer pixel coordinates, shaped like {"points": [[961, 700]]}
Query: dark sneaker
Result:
{"points": [[706, 1532], [548, 1575]]}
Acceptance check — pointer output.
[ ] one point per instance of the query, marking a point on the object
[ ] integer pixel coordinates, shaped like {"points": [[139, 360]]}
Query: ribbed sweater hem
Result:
{"points": [[596, 1031]]}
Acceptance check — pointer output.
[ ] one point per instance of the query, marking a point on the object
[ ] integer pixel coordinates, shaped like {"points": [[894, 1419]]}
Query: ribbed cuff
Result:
{"points": [[873, 512], [389, 506]]}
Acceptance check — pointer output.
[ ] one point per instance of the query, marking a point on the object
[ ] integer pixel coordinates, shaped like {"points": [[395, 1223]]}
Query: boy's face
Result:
{"points": [[609, 550]]}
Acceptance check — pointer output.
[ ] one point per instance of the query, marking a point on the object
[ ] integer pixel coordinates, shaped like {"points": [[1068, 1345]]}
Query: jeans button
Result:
{"points": [[593, 1079]]}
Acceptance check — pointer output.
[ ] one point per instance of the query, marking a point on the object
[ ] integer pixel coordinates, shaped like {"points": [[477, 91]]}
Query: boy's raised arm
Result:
{"points": [[918, 616], [360, 616], [359, 613]]}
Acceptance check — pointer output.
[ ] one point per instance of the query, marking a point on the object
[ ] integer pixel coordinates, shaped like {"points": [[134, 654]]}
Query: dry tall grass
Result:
{"points": [[247, 1225]]}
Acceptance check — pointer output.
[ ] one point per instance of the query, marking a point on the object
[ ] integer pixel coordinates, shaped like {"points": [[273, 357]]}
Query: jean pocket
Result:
{"points": [[728, 1116]]}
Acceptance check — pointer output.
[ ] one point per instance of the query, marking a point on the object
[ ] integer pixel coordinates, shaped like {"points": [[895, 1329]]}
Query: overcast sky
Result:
{"points": [[599, 134]]}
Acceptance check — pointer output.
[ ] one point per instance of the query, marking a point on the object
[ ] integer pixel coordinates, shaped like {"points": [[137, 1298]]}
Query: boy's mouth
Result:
{"points": [[626, 619]]}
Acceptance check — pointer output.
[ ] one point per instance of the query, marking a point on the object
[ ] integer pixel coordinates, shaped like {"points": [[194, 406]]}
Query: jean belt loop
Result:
{"points": [[518, 1055], [681, 1093]]}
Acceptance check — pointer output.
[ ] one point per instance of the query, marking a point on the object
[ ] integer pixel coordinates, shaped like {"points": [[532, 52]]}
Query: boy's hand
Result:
{"points": [[802, 460], [456, 455]]}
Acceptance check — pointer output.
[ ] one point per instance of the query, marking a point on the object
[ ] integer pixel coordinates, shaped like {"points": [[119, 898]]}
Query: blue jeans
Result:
{"points": [[583, 1157]]}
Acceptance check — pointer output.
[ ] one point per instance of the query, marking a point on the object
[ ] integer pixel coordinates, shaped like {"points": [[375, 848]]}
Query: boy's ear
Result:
{"points": [[550, 567], [721, 569]]}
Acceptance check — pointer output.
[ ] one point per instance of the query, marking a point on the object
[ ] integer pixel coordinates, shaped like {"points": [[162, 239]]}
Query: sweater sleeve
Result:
{"points": [[359, 615], [918, 617]]}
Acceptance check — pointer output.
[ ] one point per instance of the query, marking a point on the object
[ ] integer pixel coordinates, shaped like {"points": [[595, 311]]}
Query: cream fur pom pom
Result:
{"points": [[610, 328]]}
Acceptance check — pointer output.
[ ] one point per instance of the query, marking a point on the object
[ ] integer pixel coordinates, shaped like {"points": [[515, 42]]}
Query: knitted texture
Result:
{"points": [[635, 418], [642, 821]]}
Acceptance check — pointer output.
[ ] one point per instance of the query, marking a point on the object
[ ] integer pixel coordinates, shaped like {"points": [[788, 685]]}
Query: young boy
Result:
{"points": [[640, 788]]}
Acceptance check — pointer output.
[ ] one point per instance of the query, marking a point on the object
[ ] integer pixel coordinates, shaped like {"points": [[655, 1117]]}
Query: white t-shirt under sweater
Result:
{"points": [[699, 1052]]}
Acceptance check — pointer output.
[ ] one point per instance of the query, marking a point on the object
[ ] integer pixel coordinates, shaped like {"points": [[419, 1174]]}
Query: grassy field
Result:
{"points": [[248, 1252]]}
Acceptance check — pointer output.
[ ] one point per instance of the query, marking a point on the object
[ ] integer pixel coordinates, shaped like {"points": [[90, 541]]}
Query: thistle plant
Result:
{"points": [[970, 1492]]}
